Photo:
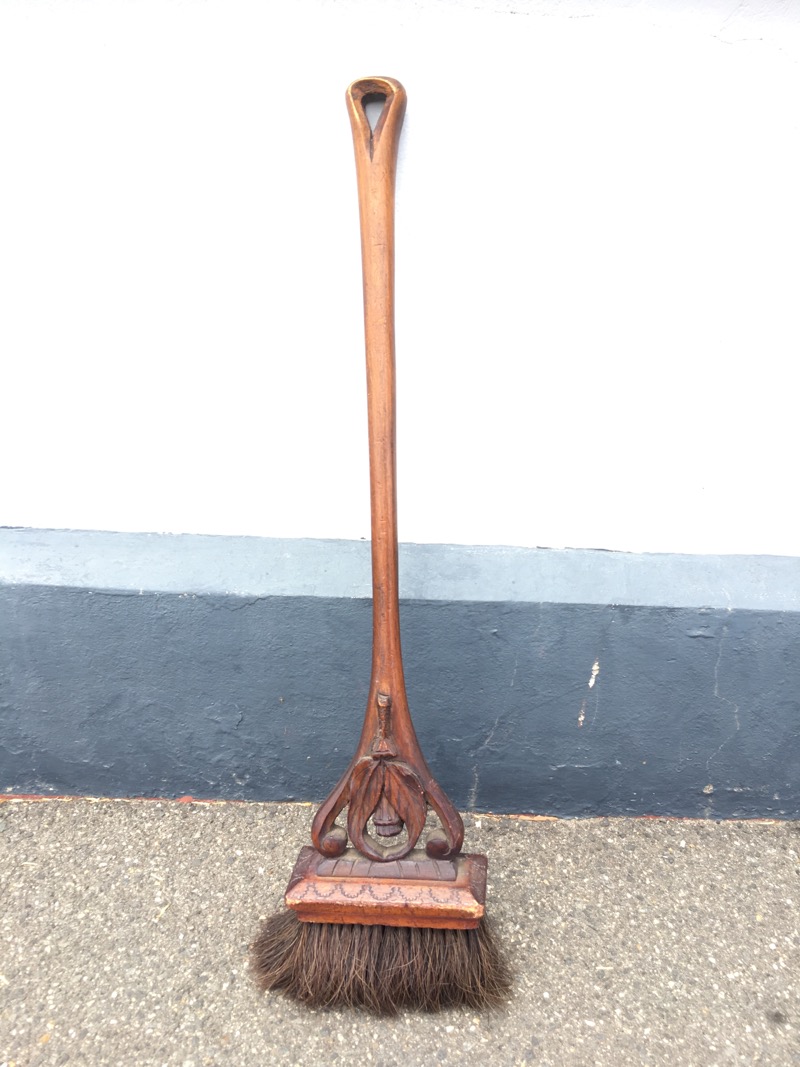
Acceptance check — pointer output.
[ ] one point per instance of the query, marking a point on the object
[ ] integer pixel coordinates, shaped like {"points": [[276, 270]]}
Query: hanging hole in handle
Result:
{"points": [[373, 105]]}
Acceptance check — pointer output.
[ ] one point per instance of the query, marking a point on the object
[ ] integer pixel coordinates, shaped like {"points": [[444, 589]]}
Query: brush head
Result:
{"points": [[380, 968]]}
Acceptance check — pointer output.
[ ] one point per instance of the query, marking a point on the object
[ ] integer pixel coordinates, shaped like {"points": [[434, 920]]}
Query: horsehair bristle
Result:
{"points": [[380, 968]]}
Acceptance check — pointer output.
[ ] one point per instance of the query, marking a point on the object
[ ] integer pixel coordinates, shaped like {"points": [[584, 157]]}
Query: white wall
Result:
{"points": [[598, 279]]}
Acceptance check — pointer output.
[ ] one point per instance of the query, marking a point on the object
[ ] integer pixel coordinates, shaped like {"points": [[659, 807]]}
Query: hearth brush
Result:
{"points": [[383, 924]]}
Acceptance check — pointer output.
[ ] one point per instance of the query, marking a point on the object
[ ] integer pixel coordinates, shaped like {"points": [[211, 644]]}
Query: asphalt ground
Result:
{"points": [[125, 928]]}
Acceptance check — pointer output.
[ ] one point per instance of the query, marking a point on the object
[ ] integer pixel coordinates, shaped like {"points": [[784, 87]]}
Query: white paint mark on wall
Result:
{"points": [[595, 672], [592, 680]]}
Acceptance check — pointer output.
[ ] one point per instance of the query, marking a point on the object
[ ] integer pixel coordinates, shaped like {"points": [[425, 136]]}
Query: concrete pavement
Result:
{"points": [[125, 926]]}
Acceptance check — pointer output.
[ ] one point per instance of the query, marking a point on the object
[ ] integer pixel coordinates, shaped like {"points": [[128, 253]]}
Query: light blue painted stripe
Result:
{"points": [[257, 567]]}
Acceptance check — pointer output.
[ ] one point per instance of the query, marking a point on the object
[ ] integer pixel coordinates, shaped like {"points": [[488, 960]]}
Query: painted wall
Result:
{"points": [[597, 269], [565, 683]]}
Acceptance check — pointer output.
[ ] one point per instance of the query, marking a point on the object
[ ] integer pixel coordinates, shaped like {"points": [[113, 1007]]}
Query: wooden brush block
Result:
{"points": [[413, 891]]}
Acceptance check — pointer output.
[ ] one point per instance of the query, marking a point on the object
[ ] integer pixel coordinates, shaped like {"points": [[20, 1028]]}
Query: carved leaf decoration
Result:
{"points": [[366, 786], [403, 789]]}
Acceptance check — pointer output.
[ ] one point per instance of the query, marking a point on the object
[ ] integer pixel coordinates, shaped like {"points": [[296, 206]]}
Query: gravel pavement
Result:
{"points": [[125, 927]]}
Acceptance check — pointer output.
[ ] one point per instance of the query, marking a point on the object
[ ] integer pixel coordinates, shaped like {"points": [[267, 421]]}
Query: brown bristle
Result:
{"points": [[380, 968]]}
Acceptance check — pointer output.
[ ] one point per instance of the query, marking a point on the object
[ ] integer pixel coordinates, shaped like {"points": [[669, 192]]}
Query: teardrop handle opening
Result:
{"points": [[370, 125]]}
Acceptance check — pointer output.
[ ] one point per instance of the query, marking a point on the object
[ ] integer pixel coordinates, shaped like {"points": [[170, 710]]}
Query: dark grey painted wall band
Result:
{"points": [[566, 708]]}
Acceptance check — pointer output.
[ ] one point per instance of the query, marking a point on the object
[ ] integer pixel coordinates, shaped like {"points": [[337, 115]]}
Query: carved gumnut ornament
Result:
{"points": [[394, 789]]}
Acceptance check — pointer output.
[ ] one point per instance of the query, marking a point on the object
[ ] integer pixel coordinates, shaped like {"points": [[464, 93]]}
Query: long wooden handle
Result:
{"points": [[376, 159], [388, 779]]}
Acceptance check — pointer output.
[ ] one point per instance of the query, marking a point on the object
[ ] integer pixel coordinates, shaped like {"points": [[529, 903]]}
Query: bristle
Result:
{"points": [[380, 968]]}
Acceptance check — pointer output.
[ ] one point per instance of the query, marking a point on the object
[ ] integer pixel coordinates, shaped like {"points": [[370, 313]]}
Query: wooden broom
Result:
{"points": [[383, 924]]}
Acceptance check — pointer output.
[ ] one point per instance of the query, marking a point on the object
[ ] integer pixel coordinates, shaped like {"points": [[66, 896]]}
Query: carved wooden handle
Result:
{"points": [[376, 158], [388, 779]]}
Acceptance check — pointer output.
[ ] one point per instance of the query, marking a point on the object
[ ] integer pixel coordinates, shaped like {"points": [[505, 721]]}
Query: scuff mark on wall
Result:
{"points": [[473, 792], [484, 745], [725, 700]]}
